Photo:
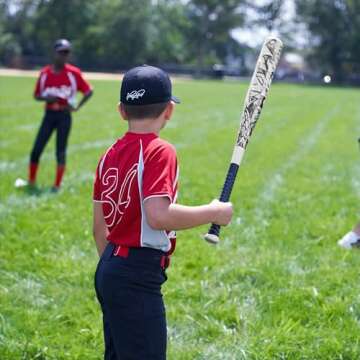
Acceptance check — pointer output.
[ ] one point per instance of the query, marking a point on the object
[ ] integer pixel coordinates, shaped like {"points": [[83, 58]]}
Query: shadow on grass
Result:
{"points": [[37, 191]]}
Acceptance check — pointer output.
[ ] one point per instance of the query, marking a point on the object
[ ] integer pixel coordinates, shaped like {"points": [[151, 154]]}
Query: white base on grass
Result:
{"points": [[19, 182], [350, 240]]}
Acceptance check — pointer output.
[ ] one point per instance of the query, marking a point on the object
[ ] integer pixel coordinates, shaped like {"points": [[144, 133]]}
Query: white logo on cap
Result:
{"points": [[135, 94]]}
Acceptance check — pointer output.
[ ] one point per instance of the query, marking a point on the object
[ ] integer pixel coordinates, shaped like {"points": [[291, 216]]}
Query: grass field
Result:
{"points": [[276, 287]]}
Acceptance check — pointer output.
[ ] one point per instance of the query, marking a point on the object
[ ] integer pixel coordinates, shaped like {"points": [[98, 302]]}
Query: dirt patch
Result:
{"points": [[87, 75]]}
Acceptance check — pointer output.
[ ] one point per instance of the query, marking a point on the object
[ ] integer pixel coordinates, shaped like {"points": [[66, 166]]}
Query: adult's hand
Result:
{"points": [[47, 99], [50, 99]]}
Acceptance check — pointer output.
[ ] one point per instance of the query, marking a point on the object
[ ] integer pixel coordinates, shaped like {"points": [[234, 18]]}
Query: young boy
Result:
{"points": [[135, 216]]}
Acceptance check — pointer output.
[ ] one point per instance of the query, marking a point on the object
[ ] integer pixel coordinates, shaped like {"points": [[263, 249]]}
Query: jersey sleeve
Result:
{"points": [[82, 84], [160, 173], [39, 83]]}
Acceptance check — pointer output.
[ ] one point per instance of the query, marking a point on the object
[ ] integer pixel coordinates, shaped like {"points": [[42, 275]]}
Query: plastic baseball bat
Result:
{"points": [[254, 101]]}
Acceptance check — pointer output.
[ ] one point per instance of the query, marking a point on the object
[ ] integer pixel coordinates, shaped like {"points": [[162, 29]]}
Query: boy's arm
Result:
{"points": [[99, 228], [162, 215]]}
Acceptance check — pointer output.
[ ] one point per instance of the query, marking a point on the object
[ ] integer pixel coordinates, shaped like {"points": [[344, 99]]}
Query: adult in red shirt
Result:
{"points": [[57, 86]]}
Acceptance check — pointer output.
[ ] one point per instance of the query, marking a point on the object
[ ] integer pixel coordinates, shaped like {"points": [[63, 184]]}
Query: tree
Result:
{"points": [[16, 28], [32, 26], [167, 43], [117, 34], [125, 27], [209, 25], [9, 47], [334, 26], [62, 19], [353, 65], [268, 14]]}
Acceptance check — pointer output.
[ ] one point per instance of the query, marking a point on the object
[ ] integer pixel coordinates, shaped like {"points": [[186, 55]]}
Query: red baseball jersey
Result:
{"points": [[134, 169], [63, 85]]}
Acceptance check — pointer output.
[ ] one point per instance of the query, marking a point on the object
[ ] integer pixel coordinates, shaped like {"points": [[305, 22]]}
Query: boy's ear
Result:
{"points": [[169, 110], [122, 111]]}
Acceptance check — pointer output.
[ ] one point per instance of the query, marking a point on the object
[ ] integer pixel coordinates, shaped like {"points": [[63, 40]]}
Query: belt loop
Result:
{"points": [[109, 250]]}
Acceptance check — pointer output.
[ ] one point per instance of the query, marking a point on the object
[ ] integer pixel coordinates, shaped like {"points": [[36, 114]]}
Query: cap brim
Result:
{"points": [[175, 99], [62, 48]]}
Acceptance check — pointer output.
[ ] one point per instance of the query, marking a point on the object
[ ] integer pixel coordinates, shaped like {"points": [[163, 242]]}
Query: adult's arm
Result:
{"points": [[83, 100]]}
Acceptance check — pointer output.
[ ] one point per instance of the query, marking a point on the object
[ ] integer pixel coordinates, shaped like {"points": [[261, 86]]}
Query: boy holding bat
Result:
{"points": [[135, 216]]}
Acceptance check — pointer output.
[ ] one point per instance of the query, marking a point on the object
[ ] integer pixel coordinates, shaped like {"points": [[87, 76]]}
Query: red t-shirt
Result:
{"points": [[137, 167], [63, 85]]}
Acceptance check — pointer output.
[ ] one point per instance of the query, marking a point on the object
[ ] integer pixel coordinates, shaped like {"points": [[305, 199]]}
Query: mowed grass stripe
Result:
{"points": [[260, 175], [305, 145], [325, 174], [257, 165]]}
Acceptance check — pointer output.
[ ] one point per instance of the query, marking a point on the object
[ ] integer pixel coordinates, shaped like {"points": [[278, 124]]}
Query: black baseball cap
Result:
{"points": [[145, 85], [62, 45]]}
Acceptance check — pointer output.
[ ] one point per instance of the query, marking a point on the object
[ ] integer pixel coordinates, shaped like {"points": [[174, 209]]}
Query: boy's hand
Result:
{"points": [[223, 211]]}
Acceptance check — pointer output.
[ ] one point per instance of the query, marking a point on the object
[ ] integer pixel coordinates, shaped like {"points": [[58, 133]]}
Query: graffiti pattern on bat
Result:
{"points": [[258, 89]]}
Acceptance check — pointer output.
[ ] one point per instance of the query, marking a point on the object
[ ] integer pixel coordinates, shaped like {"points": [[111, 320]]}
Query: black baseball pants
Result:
{"points": [[53, 120], [129, 292]]}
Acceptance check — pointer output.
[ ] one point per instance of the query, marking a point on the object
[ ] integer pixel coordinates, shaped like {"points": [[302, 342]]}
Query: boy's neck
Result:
{"points": [[145, 126]]}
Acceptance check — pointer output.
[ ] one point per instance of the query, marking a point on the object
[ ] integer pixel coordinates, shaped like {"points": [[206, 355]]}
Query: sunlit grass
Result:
{"points": [[276, 287]]}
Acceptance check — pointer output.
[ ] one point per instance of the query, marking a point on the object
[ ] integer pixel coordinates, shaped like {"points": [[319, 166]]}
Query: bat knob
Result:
{"points": [[211, 238]]}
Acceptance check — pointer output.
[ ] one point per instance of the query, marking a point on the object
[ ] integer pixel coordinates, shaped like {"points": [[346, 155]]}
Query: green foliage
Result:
{"points": [[56, 19], [276, 287], [119, 34], [167, 42], [269, 14], [210, 24], [126, 37], [334, 26]]}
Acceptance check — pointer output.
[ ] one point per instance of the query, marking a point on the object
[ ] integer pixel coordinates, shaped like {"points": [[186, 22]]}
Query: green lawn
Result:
{"points": [[276, 287]]}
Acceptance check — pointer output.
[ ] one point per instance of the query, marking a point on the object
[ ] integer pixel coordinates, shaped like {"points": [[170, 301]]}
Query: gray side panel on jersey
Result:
{"points": [[42, 84], [155, 239], [73, 86]]}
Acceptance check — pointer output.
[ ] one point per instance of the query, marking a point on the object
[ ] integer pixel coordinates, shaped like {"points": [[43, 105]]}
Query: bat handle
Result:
{"points": [[213, 234]]}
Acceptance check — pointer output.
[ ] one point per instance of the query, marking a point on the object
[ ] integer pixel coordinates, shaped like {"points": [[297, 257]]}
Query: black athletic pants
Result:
{"points": [[53, 120], [129, 292]]}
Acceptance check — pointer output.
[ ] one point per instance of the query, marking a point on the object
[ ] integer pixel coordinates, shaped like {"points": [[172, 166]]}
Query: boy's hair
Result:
{"points": [[144, 111]]}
